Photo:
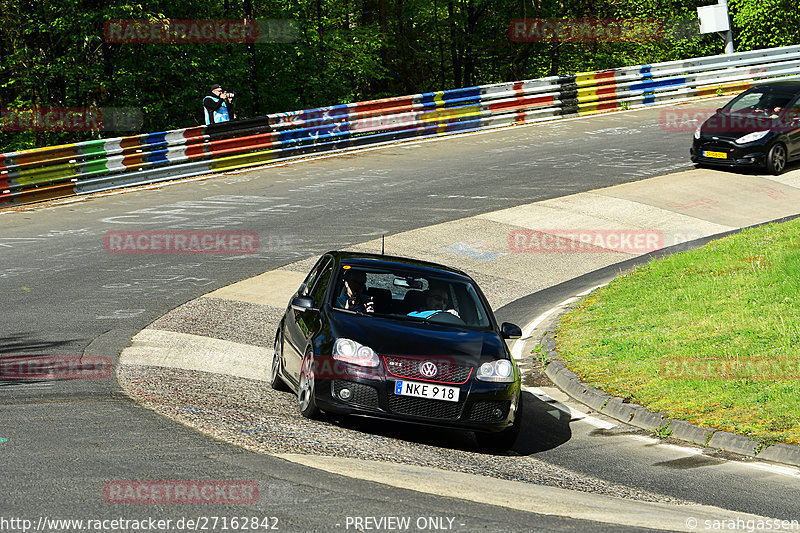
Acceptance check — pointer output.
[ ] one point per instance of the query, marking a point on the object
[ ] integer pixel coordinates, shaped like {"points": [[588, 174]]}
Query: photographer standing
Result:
{"points": [[217, 106]]}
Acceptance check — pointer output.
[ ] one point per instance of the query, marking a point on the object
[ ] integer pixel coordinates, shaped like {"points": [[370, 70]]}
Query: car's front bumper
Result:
{"points": [[482, 406], [749, 155]]}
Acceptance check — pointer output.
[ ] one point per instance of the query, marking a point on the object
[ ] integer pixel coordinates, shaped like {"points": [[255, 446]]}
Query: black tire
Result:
{"points": [[504, 440], [274, 372], [777, 159], [305, 392]]}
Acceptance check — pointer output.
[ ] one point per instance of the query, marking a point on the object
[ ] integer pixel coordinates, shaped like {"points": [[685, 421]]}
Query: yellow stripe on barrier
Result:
{"points": [[587, 95], [46, 174], [588, 109], [438, 115], [721, 89], [583, 79], [242, 160]]}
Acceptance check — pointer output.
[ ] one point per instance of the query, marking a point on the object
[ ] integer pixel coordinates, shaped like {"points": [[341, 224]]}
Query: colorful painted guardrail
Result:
{"points": [[92, 166]]}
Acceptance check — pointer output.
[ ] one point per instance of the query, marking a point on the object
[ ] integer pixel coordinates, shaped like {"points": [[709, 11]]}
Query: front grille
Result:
{"points": [[363, 395], [482, 411], [424, 407], [447, 371]]}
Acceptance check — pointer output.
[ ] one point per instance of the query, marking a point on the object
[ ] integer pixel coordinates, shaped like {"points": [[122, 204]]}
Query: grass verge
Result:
{"points": [[711, 336]]}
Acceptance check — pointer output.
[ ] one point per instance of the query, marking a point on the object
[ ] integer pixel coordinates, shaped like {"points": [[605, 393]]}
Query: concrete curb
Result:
{"points": [[638, 416]]}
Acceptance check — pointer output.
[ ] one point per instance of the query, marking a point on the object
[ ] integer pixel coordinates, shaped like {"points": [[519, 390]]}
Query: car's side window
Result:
{"points": [[314, 274], [322, 282]]}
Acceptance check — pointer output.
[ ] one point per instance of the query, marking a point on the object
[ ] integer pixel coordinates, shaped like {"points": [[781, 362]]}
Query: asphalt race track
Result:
{"points": [[65, 295]]}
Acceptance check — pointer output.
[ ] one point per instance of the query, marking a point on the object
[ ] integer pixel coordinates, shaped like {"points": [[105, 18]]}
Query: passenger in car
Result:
{"points": [[437, 299]]}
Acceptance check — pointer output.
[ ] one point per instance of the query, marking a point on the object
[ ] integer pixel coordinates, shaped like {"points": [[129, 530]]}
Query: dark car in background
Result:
{"points": [[758, 128], [395, 338]]}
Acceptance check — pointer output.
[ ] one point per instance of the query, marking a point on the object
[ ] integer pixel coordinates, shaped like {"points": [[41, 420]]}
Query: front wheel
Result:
{"points": [[776, 159], [274, 378], [305, 394]]}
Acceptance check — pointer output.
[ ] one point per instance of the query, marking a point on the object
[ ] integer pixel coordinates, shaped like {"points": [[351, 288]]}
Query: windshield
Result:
{"points": [[759, 102], [409, 296]]}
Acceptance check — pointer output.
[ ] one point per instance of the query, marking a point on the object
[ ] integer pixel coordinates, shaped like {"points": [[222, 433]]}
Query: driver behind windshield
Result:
{"points": [[770, 104], [354, 296], [437, 299]]}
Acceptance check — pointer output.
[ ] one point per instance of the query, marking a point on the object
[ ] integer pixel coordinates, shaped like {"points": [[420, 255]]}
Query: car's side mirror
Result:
{"points": [[303, 303], [302, 290], [510, 331]]}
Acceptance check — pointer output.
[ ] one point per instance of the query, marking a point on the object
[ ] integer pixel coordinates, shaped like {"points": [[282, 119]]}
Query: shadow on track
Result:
{"points": [[24, 360], [543, 427]]}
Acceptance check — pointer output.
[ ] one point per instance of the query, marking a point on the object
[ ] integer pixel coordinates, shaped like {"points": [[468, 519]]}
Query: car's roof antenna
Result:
{"points": [[383, 248]]}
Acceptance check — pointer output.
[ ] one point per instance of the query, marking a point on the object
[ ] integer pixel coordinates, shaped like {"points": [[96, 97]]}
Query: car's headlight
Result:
{"points": [[354, 353], [750, 137], [500, 371], [697, 131]]}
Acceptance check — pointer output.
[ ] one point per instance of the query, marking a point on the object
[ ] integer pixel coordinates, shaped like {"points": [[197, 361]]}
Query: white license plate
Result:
{"points": [[426, 390]]}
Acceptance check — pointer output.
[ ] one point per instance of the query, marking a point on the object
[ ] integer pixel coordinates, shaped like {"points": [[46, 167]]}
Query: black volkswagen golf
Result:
{"points": [[758, 128], [388, 337]]}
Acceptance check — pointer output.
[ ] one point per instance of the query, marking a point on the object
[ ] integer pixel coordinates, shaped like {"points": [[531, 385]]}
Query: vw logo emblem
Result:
{"points": [[428, 369]]}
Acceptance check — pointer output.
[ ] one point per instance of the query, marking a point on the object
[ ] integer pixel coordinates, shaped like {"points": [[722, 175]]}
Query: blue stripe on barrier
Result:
{"points": [[304, 133], [472, 94], [426, 99], [156, 139], [158, 156], [467, 95], [325, 112], [652, 85]]}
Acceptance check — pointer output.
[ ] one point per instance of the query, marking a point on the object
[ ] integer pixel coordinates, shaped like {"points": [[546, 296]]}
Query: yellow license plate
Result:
{"points": [[715, 155]]}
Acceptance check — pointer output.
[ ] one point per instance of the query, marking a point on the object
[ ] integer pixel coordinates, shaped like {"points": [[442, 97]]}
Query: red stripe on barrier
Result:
{"points": [[605, 106], [523, 101], [195, 133], [610, 90], [132, 160], [129, 142], [382, 105], [35, 157], [262, 141], [196, 150], [605, 75]]}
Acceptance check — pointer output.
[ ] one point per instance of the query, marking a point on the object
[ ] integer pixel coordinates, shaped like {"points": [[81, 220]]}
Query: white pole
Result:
{"points": [[728, 35]]}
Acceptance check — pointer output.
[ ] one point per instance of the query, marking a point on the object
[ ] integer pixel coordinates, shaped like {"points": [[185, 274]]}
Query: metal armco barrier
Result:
{"points": [[91, 166]]}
